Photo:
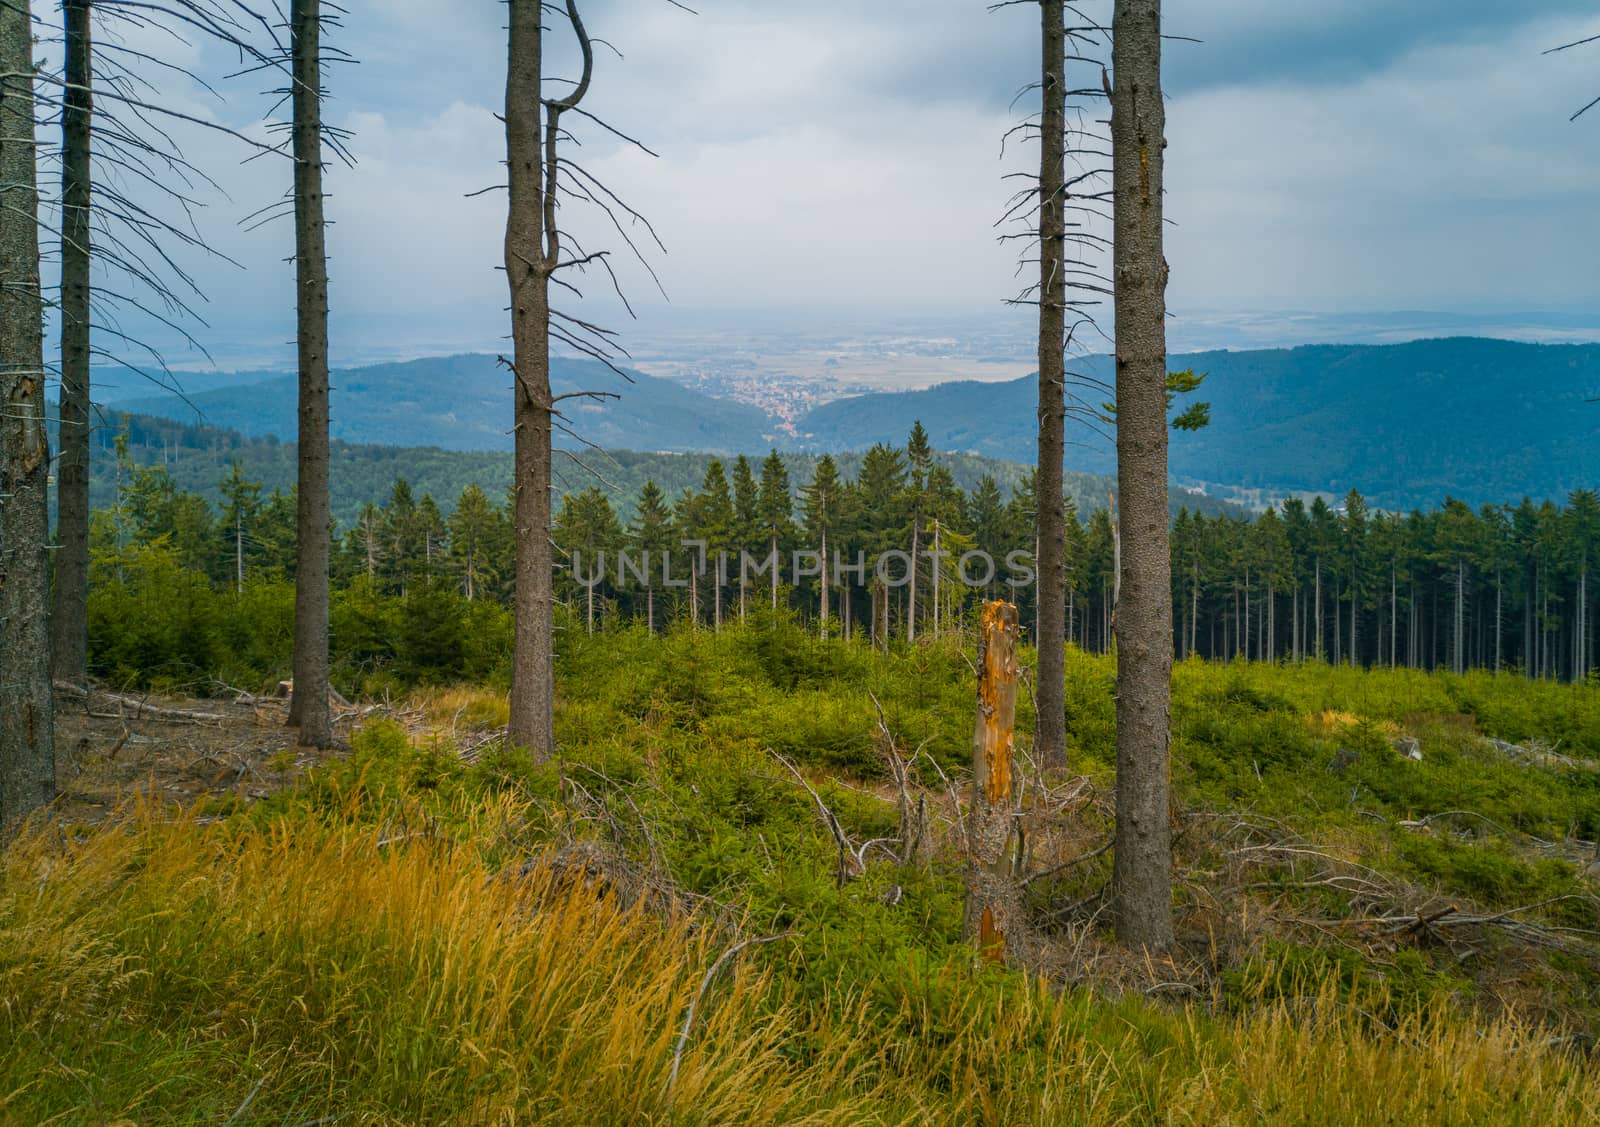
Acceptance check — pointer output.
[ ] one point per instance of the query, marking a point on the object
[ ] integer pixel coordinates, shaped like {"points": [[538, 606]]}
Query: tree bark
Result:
{"points": [[69, 616], [1050, 726], [529, 231], [825, 569], [993, 916], [309, 707], [916, 546], [1142, 871], [27, 718]]}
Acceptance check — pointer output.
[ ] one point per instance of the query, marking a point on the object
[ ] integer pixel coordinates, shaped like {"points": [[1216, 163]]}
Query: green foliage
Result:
{"points": [[345, 940]]}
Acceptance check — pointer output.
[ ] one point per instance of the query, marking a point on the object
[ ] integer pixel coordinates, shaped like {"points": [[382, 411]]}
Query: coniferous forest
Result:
{"points": [[1506, 587]]}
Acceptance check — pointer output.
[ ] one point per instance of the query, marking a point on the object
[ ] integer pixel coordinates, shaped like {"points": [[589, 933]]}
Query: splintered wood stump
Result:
{"points": [[993, 916]]}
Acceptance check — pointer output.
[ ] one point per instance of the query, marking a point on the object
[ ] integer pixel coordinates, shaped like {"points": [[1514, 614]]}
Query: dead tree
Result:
{"points": [[1050, 725], [1058, 215], [309, 709], [539, 178], [1142, 868], [993, 917], [109, 117], [27, 720], [69, 646], [530, 232]]}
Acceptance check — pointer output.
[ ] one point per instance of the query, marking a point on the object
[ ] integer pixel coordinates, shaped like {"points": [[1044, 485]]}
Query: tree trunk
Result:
{"points": [[27, 718], [1498, 607], [1355, 600], [1321, 652], [309, 707], [993, 917], [1050, 726], [880, 614], [823, 629], [530, 205], [911, 613], [1142, 871], [69, 615]]}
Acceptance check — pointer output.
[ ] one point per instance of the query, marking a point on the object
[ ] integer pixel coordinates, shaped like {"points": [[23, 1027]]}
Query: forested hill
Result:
{"points": [[198, 458], [1406, 424], [464, 403]]}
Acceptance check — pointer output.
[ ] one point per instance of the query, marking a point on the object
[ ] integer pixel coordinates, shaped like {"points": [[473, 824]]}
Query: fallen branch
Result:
{"points": [[846, 853], [705, 983], [1065, 865], [143, 710]]}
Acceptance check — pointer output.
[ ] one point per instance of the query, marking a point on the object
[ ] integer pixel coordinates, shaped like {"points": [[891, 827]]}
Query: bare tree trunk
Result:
{"points": [[27, 718], [309, 707], [1194, 606], [1050, 727], [1498, 605], [825, 570], [1321, 653], [530, 212], [880, 614], [1355, 600], [911, 617], [1393, 613], [1142, 871], [993, 916], [69, 615]]}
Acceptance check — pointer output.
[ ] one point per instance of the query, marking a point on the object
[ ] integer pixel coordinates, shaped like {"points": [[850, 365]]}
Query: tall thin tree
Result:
{"points": [[69, 616], [309, 707], [1142, 871], [1050, 731], [538, 176], [27, 719], [532, 254]]}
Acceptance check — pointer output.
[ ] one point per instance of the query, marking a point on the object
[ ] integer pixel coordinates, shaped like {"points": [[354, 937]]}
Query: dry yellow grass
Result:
{"points": [[466, 708], [1331, 722], [164, 971], [389, 981]]}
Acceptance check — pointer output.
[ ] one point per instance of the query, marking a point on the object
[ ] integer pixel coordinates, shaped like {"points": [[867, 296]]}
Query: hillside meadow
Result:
{"points": [[660, 925]]}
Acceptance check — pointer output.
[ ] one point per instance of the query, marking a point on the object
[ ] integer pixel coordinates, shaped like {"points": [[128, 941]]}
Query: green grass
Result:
{"points": [[397, 940]]}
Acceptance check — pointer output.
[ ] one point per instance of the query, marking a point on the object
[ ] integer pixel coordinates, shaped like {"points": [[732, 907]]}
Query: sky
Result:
{"points": [[844, 157]]}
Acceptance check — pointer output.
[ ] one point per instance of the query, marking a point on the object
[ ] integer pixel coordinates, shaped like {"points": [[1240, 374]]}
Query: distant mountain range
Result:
{"points": [[1407, 424], [464, 403]]}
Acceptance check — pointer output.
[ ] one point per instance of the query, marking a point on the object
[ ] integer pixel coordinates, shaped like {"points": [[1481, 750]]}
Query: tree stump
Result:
{"points": [[994, 916]]}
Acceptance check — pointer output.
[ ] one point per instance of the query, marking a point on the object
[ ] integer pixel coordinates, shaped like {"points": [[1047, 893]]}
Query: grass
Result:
{"points": [[171, 972], [405, 939]]}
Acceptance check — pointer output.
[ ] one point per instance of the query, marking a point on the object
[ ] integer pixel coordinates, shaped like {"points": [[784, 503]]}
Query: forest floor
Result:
{"points": [[390, 931], [177, 750]]}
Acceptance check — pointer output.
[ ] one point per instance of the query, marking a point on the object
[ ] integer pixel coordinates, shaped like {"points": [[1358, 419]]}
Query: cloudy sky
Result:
{"points": [[842, 156]]}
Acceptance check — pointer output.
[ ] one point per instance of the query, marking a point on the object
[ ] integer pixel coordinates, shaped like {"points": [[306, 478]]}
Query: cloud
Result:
{"points": [[839, 155]]}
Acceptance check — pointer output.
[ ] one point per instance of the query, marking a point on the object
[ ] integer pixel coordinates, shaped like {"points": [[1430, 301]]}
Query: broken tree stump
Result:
{"points": [[993, 916]]}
